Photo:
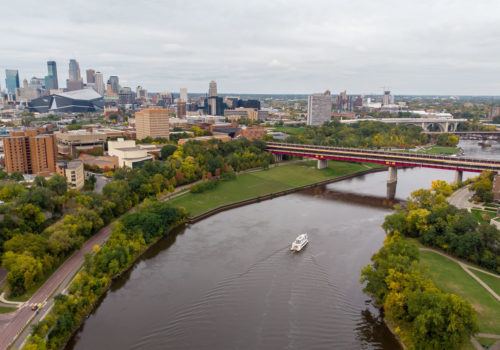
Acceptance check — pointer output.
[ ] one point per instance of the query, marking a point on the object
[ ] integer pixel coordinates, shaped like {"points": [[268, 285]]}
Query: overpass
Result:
{"points": [[444, 124], [391, 159]]}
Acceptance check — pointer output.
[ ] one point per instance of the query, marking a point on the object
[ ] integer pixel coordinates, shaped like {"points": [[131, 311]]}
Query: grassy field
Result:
{"points": [[290, 130], [5, 309], [263, 182], [440, 150], [449, 277], [492, 282], [479, 214]]}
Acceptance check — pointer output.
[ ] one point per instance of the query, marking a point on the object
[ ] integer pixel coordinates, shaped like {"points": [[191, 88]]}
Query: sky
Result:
{"points": [[262, 46]]}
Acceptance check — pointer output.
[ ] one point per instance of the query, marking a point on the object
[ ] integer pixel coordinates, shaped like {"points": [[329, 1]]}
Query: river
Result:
{"points": [[231, 282]]}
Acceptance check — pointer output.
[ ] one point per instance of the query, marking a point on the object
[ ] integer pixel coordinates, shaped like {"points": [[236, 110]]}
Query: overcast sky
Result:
{"points": [[262, 46]]}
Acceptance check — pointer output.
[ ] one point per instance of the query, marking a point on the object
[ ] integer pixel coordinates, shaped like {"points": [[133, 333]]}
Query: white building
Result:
{"points": [[128, 153], [319, 108]]}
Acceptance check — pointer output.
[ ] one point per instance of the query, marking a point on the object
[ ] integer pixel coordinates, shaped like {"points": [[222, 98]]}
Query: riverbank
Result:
{"points": [[266, 184]]}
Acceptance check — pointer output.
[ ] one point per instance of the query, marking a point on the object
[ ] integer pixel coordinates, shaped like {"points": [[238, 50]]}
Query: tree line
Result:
{"points": [[366, 134], [43, 224]]}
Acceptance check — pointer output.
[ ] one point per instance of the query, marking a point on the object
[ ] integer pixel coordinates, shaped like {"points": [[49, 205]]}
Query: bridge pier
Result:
{"points": [[392, 180], [322, 163], [459, 175]]}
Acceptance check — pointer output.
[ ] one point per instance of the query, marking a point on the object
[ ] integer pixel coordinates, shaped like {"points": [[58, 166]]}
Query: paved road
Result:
{"points": [[460, 198], [12, 324]]}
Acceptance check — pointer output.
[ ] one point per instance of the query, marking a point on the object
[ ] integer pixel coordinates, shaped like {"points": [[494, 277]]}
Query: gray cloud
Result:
{"points": [[273, 46]]}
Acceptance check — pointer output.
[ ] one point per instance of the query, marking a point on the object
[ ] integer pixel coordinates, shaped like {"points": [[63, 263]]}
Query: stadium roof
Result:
{"points": [[84, 94]]}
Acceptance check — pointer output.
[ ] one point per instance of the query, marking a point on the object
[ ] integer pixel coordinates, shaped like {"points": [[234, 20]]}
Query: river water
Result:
{"points": [[231, 282]]}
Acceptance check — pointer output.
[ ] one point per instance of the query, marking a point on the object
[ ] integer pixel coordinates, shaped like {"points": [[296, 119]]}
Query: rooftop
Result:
{"points": [[84, 94]]}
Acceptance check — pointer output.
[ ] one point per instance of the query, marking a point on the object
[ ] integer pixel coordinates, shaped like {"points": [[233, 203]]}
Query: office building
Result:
{"points": [[141, 93], [29, 153], [90, 76], [79, 141], [386, 98], [51, 81], [181, 109], [73, 172], [234, 114], [115, 86], [73, 85], [37, 83], [126, 97], [319, 108], [74, 70], [99, 83], [212, 89], [152, 122], [11, 80], [184, 95], [214, 105]]}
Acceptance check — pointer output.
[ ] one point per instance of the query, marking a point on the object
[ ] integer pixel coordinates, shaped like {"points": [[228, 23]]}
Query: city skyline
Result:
{"points": [[284, 48]]}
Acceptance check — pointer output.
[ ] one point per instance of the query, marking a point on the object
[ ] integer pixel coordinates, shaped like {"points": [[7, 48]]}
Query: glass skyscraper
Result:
{"points": [[12, 80], [51, 81]]}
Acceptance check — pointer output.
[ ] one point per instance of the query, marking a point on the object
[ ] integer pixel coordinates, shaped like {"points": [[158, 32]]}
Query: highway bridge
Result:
{"points": [[391, 159], [444, 124]]}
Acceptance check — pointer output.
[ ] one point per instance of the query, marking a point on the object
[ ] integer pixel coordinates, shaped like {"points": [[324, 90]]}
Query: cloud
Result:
{"points": [[278, 46]]}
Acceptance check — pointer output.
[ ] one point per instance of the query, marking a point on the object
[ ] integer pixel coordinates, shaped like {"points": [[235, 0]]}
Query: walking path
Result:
{"points": [[466, 267]]}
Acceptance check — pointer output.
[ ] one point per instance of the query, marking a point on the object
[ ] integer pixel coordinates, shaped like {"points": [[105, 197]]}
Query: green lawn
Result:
{"points": [[5, 309], [263, 182], [440, 150], [478, 214], [492, 282], [449, 277], [290, 130]]}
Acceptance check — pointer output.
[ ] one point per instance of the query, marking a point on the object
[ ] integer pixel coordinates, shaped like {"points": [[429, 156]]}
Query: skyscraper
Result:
{"points": [[11, 80], [184, 95], [90, 76], [51, 81], [99, 83], [212, 89], [74, 70], [319, 108], [115, 86]]}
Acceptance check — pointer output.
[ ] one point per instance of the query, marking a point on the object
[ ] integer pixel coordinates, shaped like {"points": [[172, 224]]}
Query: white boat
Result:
{"points": [[300, 242]]}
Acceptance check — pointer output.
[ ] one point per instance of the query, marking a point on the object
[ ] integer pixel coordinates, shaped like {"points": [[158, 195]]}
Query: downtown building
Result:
{"points": [[29, 153], [319, 108], [152, 122]]}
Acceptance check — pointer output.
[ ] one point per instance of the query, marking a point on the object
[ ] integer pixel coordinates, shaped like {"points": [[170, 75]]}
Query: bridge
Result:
{"points": [[444, 124], [480, 135], [391, 159]]}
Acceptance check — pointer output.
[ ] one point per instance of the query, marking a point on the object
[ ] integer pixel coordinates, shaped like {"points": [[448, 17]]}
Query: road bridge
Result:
{"points": [[391, 159], [444, 124], [476, 135]]}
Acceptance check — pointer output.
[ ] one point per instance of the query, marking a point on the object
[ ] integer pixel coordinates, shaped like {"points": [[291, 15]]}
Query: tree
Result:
{"points": [[17, 176], [58, 184], [167, 151]]}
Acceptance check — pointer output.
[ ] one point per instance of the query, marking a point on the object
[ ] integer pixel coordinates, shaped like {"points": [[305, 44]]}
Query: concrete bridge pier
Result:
{"points": [[278, 157], [322, 163], [392, 181], [459, 175]]}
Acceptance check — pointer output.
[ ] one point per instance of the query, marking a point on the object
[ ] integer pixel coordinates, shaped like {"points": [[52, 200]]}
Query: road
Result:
{"points": [[12, 324], [460, 198]]}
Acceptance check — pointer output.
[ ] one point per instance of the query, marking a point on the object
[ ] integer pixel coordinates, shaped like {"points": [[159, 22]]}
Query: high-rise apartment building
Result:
{"points": [[51, 81], [319, 108], [99, 83], [115, 86], [212, 89], [11, 80], [30, 153], [153, 122], [90, 76], [184, 95], [386, 99]]}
